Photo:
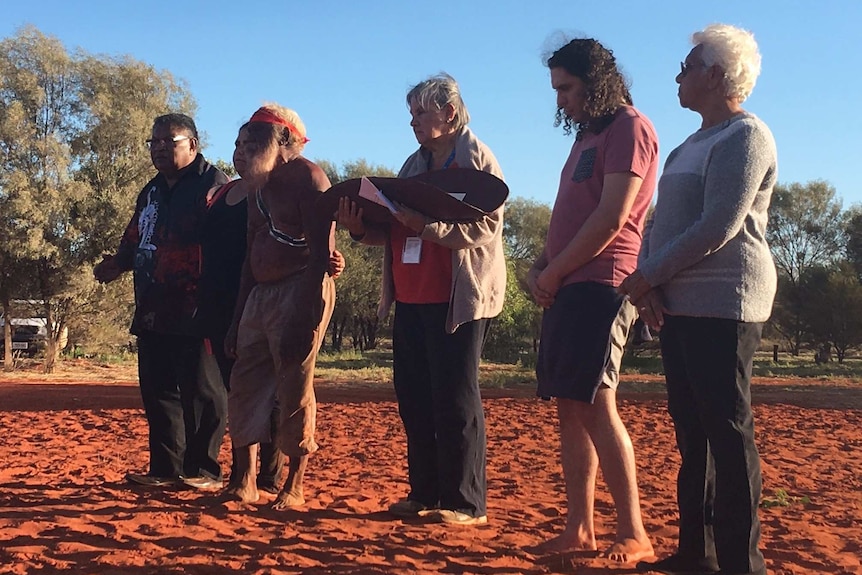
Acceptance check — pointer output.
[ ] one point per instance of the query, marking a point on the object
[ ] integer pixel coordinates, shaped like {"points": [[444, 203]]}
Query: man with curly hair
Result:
{"points": [[593, 241]]}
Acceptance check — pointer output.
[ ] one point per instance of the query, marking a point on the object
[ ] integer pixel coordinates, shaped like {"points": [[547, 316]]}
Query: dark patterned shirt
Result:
{"points": [[162, 245]]}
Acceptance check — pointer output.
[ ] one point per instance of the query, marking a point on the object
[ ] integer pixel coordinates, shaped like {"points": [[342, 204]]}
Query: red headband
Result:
{"points": [[264, 115]]}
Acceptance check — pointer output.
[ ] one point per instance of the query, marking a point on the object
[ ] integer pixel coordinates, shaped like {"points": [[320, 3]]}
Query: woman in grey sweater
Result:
{"points": [[706, 279]]}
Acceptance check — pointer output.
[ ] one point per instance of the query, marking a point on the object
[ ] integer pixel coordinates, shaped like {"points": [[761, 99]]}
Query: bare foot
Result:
{"points": [[242, 492], [565, 542], [288, 499], [629, 551]]}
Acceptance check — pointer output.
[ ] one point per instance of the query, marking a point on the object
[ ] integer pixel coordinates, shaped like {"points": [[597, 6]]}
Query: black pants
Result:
{"points": [[270, 457], [186, 407], [436, 379], [707, 364]]}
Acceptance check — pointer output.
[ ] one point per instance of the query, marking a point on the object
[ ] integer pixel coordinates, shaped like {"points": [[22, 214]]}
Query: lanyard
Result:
{"points": [[448, 163]]}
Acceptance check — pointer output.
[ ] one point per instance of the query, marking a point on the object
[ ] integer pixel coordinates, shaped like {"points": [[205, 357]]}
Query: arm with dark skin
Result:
{"points": [[112, 266], [319, 233], [349, 216], [337, 263]]}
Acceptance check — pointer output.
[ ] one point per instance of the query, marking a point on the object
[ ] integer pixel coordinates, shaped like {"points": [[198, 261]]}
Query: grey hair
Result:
{"points": [[734, 51], [437, 91]]}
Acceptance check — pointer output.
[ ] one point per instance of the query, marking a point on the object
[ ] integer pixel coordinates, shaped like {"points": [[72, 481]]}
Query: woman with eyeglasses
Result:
{"points": [[706, 279]]}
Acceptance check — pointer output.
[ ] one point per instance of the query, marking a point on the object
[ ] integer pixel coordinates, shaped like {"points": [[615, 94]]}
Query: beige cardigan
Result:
{"points": [[478, 263]]}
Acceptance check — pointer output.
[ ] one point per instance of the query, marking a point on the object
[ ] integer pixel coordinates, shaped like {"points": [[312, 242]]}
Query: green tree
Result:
{"points": [[833, 308], [853, 239], [72, 160], [513, 334], [806, 227], [13, 275], [226, 167], [806, 230], [525, 229]]}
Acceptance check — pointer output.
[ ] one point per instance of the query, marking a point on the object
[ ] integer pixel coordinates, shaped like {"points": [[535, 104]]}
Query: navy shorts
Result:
{"points": [[583, 336]]}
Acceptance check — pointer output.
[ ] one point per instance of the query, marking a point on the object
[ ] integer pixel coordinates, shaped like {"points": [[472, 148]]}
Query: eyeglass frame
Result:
{"points": [[167, 142], [684, 68]]}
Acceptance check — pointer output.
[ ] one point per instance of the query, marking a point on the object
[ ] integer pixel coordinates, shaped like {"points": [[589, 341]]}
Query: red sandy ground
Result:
{"points": [[66, 445]]}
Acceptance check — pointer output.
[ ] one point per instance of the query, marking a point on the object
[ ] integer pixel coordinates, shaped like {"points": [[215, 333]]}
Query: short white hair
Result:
{"points": [[437, 91], [734, 51]]}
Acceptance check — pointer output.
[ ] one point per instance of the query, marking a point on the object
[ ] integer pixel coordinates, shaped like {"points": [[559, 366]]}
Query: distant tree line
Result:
{"points": [[72, 160], [817, 248]]}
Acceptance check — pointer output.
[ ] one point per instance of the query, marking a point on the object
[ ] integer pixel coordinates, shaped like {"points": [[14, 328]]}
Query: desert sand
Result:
{"points": [[66, 445]]}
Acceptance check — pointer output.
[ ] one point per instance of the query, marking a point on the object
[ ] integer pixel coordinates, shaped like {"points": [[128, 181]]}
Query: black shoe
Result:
{"points": [[680, 565], [407, 508], [150, 480]]}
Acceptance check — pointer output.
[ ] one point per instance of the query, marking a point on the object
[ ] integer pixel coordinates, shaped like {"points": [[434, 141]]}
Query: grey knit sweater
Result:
{"points": [[705, 245]]}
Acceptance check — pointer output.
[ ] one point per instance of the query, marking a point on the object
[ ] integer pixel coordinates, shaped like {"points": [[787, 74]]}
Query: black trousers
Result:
{"points": [[707, 364], [436, 379], [185, 405], [270, 457]]}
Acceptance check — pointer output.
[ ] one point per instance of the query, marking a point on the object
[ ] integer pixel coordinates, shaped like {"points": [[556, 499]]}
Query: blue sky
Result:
{"points": [[345, 66]]}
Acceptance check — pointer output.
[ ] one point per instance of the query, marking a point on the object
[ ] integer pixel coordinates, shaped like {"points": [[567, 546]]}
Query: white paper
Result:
{"points": [[459, 197], [369, 191]]}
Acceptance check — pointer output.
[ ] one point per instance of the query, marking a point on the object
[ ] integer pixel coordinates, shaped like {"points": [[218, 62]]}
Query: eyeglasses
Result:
{"points": [[167, 142], [686, 68]]}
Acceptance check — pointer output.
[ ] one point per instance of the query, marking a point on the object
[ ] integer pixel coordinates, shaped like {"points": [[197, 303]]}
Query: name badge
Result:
{"points": [[412, 250]]}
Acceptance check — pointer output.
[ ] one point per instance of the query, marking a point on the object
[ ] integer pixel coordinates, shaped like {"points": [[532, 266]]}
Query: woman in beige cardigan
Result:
{"points": [[447, 280]]}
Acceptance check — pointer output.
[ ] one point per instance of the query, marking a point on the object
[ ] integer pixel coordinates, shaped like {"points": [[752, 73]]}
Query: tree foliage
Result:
{"points": [[853, 239], [806, 227], [514, 336], [833, 312], [226, 167], [805, 231], [525, 229], [72, 160]]}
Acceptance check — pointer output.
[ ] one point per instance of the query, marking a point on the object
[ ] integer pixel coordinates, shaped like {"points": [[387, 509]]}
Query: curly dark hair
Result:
{"points": [[607, 88]]}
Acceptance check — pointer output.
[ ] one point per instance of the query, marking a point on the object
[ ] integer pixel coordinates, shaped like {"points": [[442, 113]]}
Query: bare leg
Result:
{"points": [[244, 487], [291, 494], [580, 465], [616, 456]]}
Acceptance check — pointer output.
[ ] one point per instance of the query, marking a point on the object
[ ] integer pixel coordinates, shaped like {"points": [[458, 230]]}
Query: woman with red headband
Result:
{"points": [[284, 304]]}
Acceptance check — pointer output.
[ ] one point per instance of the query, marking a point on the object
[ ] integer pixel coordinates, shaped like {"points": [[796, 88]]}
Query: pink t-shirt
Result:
{"points": [[628, 144]]}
